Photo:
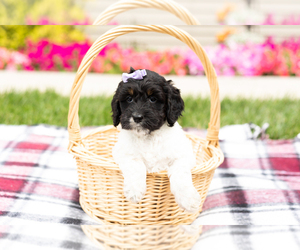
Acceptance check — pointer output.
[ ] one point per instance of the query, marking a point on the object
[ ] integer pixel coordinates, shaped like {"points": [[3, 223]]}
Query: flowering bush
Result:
{"points": [[268, 58], [48, 56], [12, 60], [250, 59], [290, 20], [112, 59]]}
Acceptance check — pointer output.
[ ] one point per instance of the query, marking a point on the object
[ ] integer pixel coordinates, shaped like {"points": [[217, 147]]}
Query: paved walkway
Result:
{"points": [[95, 84]]}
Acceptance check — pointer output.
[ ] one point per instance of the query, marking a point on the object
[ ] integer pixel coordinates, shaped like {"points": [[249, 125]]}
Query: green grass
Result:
{"points": [[33, 107]]}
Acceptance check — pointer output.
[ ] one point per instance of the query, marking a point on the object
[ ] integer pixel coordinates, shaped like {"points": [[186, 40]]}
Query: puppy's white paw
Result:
{"points": [[134, 191], [188, 199]]}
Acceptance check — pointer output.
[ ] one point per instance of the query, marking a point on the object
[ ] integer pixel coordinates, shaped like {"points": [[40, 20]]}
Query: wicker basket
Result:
{"points": [[124, 5], [143, 237], [100, 179], [149, 237]]}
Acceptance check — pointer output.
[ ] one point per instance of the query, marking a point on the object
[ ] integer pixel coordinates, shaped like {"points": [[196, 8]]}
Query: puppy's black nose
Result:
{"points": [[137, 117]]}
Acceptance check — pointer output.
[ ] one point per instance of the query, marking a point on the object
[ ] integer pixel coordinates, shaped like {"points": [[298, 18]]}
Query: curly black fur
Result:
{"points": [[152, 98]]}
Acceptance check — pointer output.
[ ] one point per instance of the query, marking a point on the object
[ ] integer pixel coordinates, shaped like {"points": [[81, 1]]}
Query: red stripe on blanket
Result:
{"points": [[51, 190], [29, 145], [285, 164], [14, 163], [39, 188], [260, 163], [11, 185], [252, 197]]}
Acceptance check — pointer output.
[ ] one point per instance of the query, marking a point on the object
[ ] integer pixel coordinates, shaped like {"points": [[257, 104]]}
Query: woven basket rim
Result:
{"points": [[109, 164]]}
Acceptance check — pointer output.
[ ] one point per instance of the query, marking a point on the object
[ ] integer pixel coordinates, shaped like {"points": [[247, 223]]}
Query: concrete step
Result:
{"points": [[206, 35], [204, 11]]}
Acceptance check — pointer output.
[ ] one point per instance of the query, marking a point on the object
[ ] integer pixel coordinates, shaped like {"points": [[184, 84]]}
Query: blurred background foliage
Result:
{"points": [[14, 37], [22, 12], [32, 11]]}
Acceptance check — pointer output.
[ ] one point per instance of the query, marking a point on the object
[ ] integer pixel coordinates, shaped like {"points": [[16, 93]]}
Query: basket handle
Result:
{"points": [[102, 41], [124, 5]]}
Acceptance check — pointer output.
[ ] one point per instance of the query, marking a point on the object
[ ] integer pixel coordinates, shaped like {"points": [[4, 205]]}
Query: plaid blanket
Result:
{"points": [[253, 201]]}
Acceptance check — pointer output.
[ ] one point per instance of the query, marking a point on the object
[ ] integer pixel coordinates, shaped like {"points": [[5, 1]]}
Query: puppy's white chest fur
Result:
{"points": [[157, 150], [153, 150]]}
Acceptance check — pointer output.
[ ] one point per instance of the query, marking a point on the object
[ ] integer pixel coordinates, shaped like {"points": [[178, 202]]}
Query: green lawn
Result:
{"points": [[33, 107]]}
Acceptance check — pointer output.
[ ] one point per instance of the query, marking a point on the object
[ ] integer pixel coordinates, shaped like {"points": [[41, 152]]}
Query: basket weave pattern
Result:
{"points": [[101, 181], [143, 237]]}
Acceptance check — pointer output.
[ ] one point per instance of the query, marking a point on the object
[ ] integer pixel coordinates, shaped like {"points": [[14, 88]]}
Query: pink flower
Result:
{"points": [[269, 58], [291, 20], [13, 60], [269, 20]]}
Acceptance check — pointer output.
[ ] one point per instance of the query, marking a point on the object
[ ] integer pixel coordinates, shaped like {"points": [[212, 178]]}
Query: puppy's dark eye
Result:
{"points": [[129, 99], [152, 99]]}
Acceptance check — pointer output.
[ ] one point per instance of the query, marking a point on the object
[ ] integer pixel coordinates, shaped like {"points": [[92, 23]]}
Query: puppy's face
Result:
{"points": [[145, 105]]}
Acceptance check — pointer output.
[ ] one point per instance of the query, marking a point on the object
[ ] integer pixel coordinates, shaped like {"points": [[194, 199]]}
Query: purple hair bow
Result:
{"points": [[138, 75]]}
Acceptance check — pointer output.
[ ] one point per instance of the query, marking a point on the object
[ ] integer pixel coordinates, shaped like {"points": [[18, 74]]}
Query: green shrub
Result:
{"points": [[15, 36], [15, 12]]}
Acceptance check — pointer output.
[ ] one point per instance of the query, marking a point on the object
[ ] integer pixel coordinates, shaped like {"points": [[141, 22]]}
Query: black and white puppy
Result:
{"points": [[147, 107]]}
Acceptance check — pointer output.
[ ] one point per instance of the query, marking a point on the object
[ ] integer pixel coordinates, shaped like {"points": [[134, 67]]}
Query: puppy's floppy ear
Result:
{"points": [[116, 109], [175, 104], [131, 70]]}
